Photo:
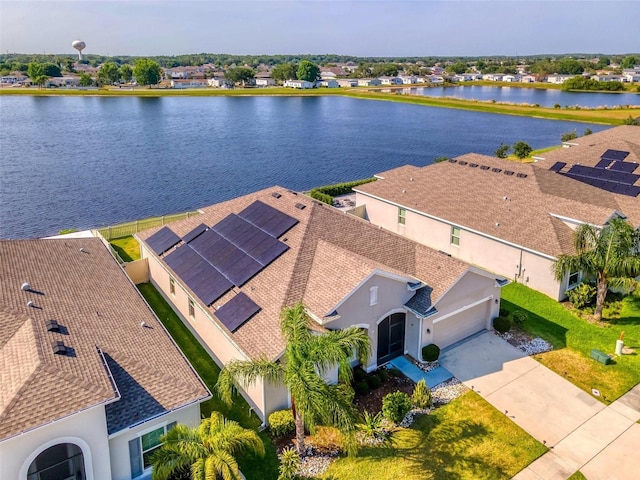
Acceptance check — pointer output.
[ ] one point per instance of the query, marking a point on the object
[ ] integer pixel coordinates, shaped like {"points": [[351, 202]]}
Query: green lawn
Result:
{"points": [[254, 468], [573, 338], [466, 439], [127, 247], [577, 476]]}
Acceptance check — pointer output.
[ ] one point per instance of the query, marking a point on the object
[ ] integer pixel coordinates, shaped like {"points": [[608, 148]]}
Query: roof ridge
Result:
{"points": [[75, 380], [16, 396]]}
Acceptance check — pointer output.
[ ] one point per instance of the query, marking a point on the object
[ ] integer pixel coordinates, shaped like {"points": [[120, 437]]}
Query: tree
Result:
{"points": [[283, 72], [85, 80], [207, 451], [458, 67], [52, 70], [566, 136], [384, 70], [147, 72], [521, 149], [629, 62], [36, 72], [503, 150], [126, 73], [239, 74], [69, 64], [308, 71], [307, 358], [108, 74], [610, 255]]}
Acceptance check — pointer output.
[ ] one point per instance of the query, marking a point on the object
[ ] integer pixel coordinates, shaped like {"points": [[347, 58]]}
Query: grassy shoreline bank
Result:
{"points": [[605, 116]]}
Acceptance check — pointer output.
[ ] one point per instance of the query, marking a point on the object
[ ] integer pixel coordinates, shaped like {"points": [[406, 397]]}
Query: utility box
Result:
{"points": [[600, 356]]}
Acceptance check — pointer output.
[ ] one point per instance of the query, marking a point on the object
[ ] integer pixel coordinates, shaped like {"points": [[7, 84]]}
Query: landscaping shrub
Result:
{"points": [[503, 312], [374, 381], [281, 423], [519, 317], [431, 352], [501, 324], [395, 406], [361, 387], [323, 197], [582, 295], [343, 188], [372, 427], [393, 371], [289, 464], [421, 397], [383, 374], [359, 374]]}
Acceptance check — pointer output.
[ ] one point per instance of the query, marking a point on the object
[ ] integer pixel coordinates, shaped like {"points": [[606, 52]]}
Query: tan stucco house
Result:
{"points": [[89, 378], [231, 270], [510, 218]]}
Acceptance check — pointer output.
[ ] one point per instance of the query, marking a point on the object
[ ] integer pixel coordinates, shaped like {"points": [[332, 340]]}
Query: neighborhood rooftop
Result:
{"points": [[76, 334]]}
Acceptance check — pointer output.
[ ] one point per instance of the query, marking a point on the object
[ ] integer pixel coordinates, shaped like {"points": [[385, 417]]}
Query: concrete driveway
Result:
{"points": [[543, 403]]}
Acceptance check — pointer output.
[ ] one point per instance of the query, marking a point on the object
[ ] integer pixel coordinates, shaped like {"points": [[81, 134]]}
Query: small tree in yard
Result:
{"points": [[289, 464], [503, 150], [610, 255], [395, 406], [521, 149], [422, 397]]}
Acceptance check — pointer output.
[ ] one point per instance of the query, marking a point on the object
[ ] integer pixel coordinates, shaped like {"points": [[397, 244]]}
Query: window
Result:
{"points": [[373, 296], [141, 449], [455, 236], [574, 279], [192, 309], [402, 215], [172, 286]]}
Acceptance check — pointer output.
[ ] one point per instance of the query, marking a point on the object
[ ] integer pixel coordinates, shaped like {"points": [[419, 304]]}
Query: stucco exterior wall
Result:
{"points": [[87, 429], [211, 336], [138, 271], [517, 264], [119, 442]]}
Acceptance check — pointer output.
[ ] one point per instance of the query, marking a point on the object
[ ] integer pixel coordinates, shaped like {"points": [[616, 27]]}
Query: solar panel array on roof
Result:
{"points": [[627, 167], [194, 233], [237, 311], [603, 174], [556, 167], [163, 240], [267, 218], [614, 155]]}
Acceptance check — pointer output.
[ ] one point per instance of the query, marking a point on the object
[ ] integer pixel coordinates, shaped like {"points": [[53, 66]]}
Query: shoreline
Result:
{"points": [[598, 115]]}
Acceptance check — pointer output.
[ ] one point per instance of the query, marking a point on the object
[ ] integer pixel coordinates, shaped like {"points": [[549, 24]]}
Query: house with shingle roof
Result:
{"points": [[230, 271], [511, 218], [89, 378]]}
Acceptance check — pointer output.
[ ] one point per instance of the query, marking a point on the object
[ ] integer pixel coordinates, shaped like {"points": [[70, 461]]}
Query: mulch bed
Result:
{"points": [[372, 402]]}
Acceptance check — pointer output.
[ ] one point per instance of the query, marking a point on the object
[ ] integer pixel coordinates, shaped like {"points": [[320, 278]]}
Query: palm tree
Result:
{"points": [[307, 358], [208, 450], [610, 254]]}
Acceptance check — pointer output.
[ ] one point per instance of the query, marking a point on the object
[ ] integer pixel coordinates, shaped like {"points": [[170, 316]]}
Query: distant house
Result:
{"points": [[390, 80], [229, 272], [609, 78], [408, 79], [558, 79], [464, 77], [13, 78], [303, 84], [265, 82], [190, 83], [631, 77], [528, 79], [89, 377], [67, 81], [347, 82], [218, 82], [493, 77], [511, 78], [328, 83], [369, 82], [436, 79]]}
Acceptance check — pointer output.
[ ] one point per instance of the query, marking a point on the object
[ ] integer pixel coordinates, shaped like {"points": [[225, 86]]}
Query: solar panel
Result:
{"points": [[632, 191], [603, 164], [182, 259], [237, 311], [556, 167], [163, 240], [267, 218], [627, 167], [194, 233], [614, 155], [602, 174]]}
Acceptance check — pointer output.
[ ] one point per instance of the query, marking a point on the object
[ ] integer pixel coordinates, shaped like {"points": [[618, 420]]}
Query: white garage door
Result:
{"points": [[459, 326]]}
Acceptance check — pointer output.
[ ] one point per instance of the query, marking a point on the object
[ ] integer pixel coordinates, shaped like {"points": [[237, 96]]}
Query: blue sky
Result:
{"points": [[362, 28]]}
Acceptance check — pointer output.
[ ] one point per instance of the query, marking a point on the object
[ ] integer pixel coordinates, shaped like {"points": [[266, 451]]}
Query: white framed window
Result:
{"points": [[402, 215], [192, 309], [172, 286], [574, 279], [455, 236], [373, 295], [141, 449]]}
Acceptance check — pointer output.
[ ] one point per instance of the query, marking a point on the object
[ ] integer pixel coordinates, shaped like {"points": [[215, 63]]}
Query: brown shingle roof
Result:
{"points": [[519, 207], [100, 314], [325, 246]]}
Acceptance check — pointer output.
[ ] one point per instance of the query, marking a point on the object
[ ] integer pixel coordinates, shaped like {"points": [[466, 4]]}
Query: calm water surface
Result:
{"points": [[81, 162], [546, 98]]}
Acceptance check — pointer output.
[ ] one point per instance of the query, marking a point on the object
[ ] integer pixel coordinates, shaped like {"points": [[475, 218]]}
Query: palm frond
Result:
{"points": [[337, 348], [245, 373]]}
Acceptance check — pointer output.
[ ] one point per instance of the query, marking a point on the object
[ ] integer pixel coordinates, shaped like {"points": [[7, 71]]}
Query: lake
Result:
{"points": [[81, 162], [545, 98]]}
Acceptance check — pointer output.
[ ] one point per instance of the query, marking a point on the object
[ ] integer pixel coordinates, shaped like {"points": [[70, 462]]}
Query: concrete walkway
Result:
{"points": [[431, 378], [581, 432]]}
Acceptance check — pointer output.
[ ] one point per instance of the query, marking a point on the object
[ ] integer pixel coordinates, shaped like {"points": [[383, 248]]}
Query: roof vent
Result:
{"points": [[59, 347], [509, 172], [301, 206], [411, 179], [30, 304], [453, 160], [521, 175], [473, 165], [496, 170], [276, 195], [484, 167], [462, 162], [25, 287], [52, 326]]}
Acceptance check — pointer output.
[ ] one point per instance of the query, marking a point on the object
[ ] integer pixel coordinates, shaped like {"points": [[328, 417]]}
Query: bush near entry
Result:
{"points": [[281, 423], [395, 406], [431, 352], [421, 397], [501, 324]]}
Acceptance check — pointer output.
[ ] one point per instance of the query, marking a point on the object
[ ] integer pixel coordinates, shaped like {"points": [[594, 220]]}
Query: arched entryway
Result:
{"points": [[63, 461], [391, 337]]}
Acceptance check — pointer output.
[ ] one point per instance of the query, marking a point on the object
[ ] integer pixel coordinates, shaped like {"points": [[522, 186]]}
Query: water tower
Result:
{"points": [[79, 45]]}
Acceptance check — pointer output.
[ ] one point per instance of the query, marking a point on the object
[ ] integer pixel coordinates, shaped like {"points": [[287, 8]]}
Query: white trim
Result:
{"points": [[84, 446], [482, 234], [389, 313], [360, 325], [462, 309]]}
